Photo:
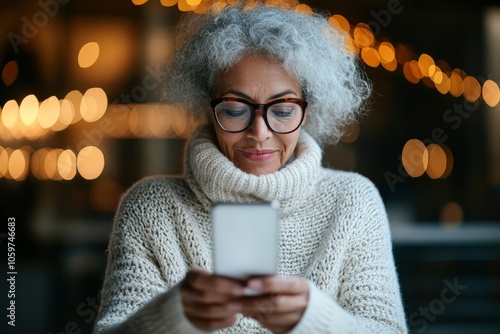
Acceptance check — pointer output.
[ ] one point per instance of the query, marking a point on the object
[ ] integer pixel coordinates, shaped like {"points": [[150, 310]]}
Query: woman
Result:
{"points": [[274, 85]]}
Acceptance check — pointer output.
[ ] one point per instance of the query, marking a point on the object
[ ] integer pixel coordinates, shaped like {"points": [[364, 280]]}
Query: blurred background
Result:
{"points": [[81, 122]]}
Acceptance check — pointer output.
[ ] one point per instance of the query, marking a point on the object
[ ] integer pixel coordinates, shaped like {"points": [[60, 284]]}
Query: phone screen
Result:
{"points": [[245, 239]]}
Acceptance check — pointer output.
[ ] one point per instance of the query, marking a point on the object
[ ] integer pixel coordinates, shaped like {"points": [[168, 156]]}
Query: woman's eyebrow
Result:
{"points": [[246, 97], [286, 92]]}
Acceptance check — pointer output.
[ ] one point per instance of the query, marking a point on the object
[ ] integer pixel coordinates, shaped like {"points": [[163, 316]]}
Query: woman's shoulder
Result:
{"points": [[350, 186], [346, 179], [156, 188]]}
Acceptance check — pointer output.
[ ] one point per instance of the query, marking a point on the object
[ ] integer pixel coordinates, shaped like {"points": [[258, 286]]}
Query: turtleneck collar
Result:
{"points": [[214, 178]]}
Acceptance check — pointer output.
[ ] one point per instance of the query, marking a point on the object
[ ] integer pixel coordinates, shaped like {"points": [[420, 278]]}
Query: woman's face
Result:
{"points": [[258, 79]]}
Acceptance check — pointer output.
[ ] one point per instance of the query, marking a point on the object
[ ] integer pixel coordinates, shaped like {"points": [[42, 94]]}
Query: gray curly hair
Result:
{"points": [[310, 49]]}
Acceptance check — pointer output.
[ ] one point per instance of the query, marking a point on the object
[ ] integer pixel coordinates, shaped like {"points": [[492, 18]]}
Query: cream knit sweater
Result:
{"points": [[334, 233]]}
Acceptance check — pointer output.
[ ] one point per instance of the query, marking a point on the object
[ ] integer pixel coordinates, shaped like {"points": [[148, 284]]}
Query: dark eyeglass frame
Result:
{"points": [[255, 106]]}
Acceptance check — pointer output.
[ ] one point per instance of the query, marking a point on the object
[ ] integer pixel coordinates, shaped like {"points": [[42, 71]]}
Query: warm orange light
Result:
{"points": [[49, 111], [18, 164], [4, 161], [304, 9], [456, 84], [491, 93], [88, 55], [472, 89], [415, 157], [392, 66], [38, 164], [94, 104], [424, 64], [10, 114], [66, 165], [65, 116], [370, 56], [193, 3], [28, 110], [10, 72], [437, 161], [387, 52], [50, 164], [340, 22], [90, 162], [350, 45], [139, 2], [183, 6], [363, 35], [411, 72], [168, 3], [75, 97], [444, 85]]}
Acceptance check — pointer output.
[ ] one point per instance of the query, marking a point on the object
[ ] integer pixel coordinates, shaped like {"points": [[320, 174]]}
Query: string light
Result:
{"points": [[50, 163]]}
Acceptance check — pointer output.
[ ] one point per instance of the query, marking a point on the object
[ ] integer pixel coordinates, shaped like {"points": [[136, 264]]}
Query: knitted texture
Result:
{"points": [[333, 232]]}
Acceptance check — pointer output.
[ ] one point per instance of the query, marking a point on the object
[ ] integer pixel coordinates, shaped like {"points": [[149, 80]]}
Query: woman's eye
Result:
{"points": [[228, 112], [282, 113]]}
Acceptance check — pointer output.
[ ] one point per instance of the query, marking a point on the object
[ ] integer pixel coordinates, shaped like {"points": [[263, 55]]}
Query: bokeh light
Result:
{"points": [[66, 164], [28, 110], [443, 86], [50, 164], [88, 55], [491, 93], [139, 2], [90, 162], [193, 3], [66, 115], [472, 89], [363, 35], [184, 6], [411, 72], [75, 97], [10, 72], [456, 83], [10, 114], [49, 111], [18, 164], [93, 104], [168, 3], [437, 161], [4, 162], [425, 64], [415, 157], [370, 56], [340, 22]]}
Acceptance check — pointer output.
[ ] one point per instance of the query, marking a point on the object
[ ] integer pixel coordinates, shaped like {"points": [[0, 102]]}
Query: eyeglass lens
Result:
{"points": [[236, 116]]}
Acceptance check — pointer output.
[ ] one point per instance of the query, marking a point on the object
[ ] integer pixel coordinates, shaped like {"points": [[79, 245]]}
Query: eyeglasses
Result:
{"points": [[236, 115]]}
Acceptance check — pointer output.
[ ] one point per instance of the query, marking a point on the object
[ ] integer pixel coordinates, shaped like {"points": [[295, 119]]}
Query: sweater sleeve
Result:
{"points": [[369, 299], [135, 298]]}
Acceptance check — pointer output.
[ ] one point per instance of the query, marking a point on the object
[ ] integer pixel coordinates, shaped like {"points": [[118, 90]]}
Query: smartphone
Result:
{"points": [[245, 239]]}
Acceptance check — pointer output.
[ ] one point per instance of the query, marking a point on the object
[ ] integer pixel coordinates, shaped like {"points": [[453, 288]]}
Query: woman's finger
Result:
{"points": [[278, 285], [213, 311], [203, 287]]}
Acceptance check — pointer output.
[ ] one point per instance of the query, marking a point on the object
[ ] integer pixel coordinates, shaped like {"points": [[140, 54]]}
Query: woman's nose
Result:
{"points": [[259, 130]]}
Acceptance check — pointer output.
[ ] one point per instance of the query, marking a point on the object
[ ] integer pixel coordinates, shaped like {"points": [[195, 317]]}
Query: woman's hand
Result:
{"points": [[282, 304], [210, 302]]}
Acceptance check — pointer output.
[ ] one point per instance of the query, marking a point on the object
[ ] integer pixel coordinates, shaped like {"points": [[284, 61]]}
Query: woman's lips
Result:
{"points": [[258, 155]]}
